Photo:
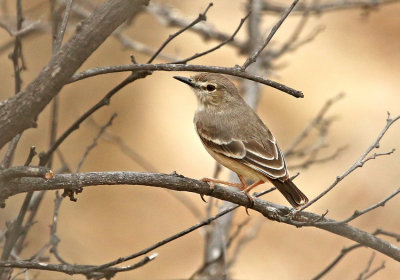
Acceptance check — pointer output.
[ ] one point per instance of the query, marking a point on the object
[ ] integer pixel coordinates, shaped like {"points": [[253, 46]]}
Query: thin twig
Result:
{"points": [[44, 157], [312, 159], [359, 163], [330, 6], [18, 65], [126, 149], [250, 235], [314, 122], [342, 254], [254, 56], [346, 250], [54, 239], [367, 268], [236, 233], [374, 271], [173, 18], [173, 237], [95, 141], [358, 213], [197, 55], [15, 228], [390, 234], [63, 26], [201, 17]]}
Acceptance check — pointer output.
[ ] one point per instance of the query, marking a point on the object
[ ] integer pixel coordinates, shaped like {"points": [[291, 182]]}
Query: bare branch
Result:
{"points": [[18, 65], [126, 41], [250, 235], [174, 18], [233, 71], [44, 157], [180, 183], [358, 213], [201, 17], [319, 8], [147, 166], [387, 233], [359, 163], [254, 56], [312, 159], [197, 55], [342, 254], [63, 26], [95, 140], [346, 250], [175, 236], [373, 272], [91, 33], [314, 122], [94, 272], [367, 268]]}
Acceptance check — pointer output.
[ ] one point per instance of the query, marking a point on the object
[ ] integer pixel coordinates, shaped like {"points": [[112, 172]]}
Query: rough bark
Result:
{"points": [[20, 112]]}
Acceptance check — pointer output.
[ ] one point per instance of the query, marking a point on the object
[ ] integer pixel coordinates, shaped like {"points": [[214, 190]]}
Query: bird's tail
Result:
{"points": [[289, 190]]}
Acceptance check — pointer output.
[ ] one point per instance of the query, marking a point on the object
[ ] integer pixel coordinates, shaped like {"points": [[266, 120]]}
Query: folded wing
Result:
{"points": [[265, 158]]}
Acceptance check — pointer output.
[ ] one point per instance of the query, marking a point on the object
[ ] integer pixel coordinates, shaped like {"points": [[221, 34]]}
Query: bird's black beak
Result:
{"points": [[185, 80]]}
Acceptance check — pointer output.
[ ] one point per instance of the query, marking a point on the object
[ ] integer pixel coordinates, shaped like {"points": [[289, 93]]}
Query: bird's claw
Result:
{"points": [[212, 187], [251, 202]]}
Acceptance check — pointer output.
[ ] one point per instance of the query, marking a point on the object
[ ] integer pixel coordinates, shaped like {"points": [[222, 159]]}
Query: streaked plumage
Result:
{"points": [[237, 138]]}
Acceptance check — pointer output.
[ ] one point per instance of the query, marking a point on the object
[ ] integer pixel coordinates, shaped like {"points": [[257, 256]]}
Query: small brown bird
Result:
{"points": [[235, 136]]}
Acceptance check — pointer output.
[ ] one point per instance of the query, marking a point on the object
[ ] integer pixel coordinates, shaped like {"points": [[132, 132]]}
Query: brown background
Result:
{"points": [[357, 55]]}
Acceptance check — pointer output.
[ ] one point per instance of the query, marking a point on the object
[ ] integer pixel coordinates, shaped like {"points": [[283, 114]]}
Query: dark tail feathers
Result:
{"points": [[289, 190]]}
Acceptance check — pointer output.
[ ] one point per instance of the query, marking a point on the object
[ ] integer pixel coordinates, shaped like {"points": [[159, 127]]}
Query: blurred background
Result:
{"points": [[357, 54]]}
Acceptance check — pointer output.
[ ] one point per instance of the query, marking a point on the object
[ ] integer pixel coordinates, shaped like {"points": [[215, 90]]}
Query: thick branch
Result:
{"points": [[21, 111], [180, 183]]}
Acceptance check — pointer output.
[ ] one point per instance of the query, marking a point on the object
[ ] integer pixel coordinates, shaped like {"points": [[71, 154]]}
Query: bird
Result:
{"points": [[234, 135]]}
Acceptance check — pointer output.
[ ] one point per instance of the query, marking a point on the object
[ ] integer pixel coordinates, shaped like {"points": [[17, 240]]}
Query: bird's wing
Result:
{"points": [[265, 158]]}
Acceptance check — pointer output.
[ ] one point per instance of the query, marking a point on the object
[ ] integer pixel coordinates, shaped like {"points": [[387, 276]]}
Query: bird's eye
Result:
{"points": [[210, 87]]}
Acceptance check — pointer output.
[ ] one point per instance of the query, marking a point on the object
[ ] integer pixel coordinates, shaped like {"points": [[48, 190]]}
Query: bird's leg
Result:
{"points": [[246, 189], [252, 186], [243, 188], [212, 181]]}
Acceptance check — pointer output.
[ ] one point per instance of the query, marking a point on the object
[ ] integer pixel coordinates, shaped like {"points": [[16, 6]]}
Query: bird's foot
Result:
{"points": [[251, 202], [210, 182]]}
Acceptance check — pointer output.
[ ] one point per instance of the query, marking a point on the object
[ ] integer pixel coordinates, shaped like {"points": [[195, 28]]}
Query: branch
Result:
{"points": [[201, 17], [382, 203], [44, 157], [107, 273], [230, 39], [346, 250], [180, 183], [63, 26], [319, 8], [341, 255], [254, 56], [89, 35], [314, 122], [95, 141], [359, 163], [17, 59], [173, 18], [233, 71]]}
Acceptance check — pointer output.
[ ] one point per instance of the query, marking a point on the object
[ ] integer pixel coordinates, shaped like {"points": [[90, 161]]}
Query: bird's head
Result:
{"points": [[212, 90]]}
